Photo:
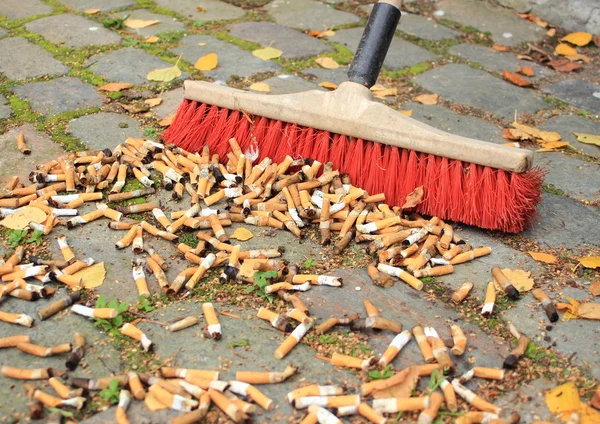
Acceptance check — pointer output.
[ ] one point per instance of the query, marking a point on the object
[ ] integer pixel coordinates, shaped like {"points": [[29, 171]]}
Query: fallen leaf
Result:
{"points": [[139, 23], [596, 39], [579, 57], [321, 34], [524, 57], [549, 136], [247, 267], [427, 99], [167, 121], [136, 107], [500, 48], [539, 22], [267, 53], [587, 415], [413, 198], [526, 70], [153, 102], [563, 398], [21, 218], [564, 50], [262, 87], [534, 132], [381, 92], [572, 310], [588, 138], [515, 79], [327, 63], [595, 288], [328, 85], [115, 86], [241, 234], [151, 40], [520, 279], [551, 32], [543, 257], [589, 311], [406, 112], [515, 134], [200, 9], [207, 63], [590, 262], [578, 38], [92, 11], [401, 390], [165, 74], [563, 65], [552, 146], [92, 276]]}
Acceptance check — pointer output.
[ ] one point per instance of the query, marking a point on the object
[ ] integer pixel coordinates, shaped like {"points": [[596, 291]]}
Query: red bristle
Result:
{"points": [[430, 184], [242, 131], [338, 151], [269, 143], [222, 147], [289, 139], [355, 161], [443, 201], [391, 185], [215, 138], [489, 199], [455, 190], [370, 167], [304, 147], [322, 146]]}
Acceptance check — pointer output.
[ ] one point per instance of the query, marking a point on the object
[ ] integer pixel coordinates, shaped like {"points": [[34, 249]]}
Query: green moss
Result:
{"points": [[21, 109], [171, 36], [190, 239], [115, 95], [248, 4], [555, 102], [242, 44], [552, 189]]}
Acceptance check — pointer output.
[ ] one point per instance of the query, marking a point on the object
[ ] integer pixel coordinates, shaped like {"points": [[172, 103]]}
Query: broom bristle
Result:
{"points": [[463, 192]]}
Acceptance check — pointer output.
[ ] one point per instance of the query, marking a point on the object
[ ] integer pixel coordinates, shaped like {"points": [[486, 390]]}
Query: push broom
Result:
{"points": [[464, 180]]}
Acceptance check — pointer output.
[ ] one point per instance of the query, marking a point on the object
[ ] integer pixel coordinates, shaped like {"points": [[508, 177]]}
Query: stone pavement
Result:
{"points": [[54, 56]]}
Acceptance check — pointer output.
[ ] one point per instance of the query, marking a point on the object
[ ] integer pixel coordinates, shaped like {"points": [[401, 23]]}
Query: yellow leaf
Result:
{"points": [[207, 63], [381, 92], [115, 86], [328, 85], [153, 102], [262, 87], [563, 398], [151, 40], [139, 23], [241, 234], [564, 50], [595, 288], [576, 57], [92, 11], [552, 146], [427, 99], [92, 276], [588, 415], [573, 310], [588, 138], [327, 63], [590, 262], [21, 218], [549, 136], [578, 38], [589, 311], [520, 279], [406, 112], [165, 74], [267, 53], [551, 32], [543, 257], [534, 132], [167, 121]]}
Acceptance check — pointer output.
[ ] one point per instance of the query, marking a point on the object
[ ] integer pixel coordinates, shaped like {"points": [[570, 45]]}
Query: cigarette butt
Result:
{"points": [[505, 283], [441, 355], [51, 401], [132, 331], [176, 402], [380, 279], [434, 272], [158, 273], [460, 340], [343, 242], [316, 414], [293, 339], [547, 304], [161, 218], [13, 341], [109, 213], [260, 377], [424, 345], [449, 396], [77, 353], [277, 321], [128, 237], [123, 405], [470, 255], [459, 295], [327, 401], [168, 372], [20, 319], [138, 240], [104, 313], [21, 145], [482, 372], [184, 323], [314, 390], [428, 415], [394, 405], [66, 251], [140, 280], [135, 385], [403, 275], [346, 361], [473, 399], [395, 347], [226, 405], [139, 208], [490, 300], [298, 315], [26, 374], [214, 326], [42, 351], [63, 390], [372, 311], [511, 361]]}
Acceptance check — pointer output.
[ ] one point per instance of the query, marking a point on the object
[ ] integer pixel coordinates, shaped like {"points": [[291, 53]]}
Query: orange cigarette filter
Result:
{"points": [[132, 331], [260, 377], [168, 372], [434, 272], [128, 238], [123, 405], [440, 352], [138, 240], [172, 401], [412, 281], [490, 300], [449, 395], [227, 406], [474, 400], [395, 347], [64, 391], [214, 326], [20, 319], [470, 255], [66, 251], [51, 401], [372, 311], [293, 339], [347, 361], [424, 345], [42, 351], [460, 340], [245, 389], [394, 405], [140, 280], [135, 385], [314, 390], [482, 372], [428, 415], [158, 273], [183, 324], [104, 313], [26, 374], [298, 315], [161, 218], [460, 294], [327, 401], [13, 341]]}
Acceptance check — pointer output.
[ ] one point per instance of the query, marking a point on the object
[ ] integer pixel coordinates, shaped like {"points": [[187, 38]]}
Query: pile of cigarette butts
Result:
{"points": [[289, 195]]}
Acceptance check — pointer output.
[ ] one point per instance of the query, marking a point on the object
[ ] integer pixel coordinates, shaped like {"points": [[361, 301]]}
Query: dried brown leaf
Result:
{"points": [[563, 65], [526, 70], [427, 99], [115, 86], [515, 79], [167, 121], [595, 288], [153, 102], [140, 23], [500, 48], [413, 198]]}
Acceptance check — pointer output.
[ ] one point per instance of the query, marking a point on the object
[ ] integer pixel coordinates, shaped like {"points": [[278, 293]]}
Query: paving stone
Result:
{"points": [[497, 61], [13, 162], [565, 221], [166, 24], [73, 30], [127, 65], [336, 76], [308, 14], [211, 10], [566, 125], [423, 27], [452, 122], [104, 129], [578, 179], [171, 101], [59, 95], [5, 109], [294, 44], [401, 54], [578, 93], [477, 88], [505, 26], [531, 407], [17, 9], [286, 84], [232, 59], [104, 5], [20, 59]]}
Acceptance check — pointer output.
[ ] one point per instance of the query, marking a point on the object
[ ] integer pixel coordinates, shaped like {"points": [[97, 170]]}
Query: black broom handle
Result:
{"points": [[374, 43]]}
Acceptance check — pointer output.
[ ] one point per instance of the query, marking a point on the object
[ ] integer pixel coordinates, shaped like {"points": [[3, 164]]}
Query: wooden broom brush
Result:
{"points": [[464, 180]]}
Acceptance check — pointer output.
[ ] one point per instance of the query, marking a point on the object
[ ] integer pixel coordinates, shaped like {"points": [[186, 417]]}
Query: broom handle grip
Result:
{"points": [[374, 43]]}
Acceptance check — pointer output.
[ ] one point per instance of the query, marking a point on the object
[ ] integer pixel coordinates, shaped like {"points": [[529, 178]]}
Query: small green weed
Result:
{"points": [[309, 263], [66, 414], [239, 343], [115, 95], [15, 237], [328, 339], [111, 326], [262, 280], [435, 380], [144, 304], [36, 237], [114, 23], [150, 132], [111, 393], [381, 375]]}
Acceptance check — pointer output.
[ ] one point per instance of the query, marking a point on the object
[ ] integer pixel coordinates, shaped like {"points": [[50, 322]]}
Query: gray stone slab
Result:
{"points": [[578, 93], [452, 122], [203, 10], [563, 221], [17, 9], [294, 44], [104, 5], [166, 24], [401, 54], [577, 178], [170, 103], [423, 27], [286, 84], [73, 30], [59, 95], [13, 162], [336, 76], [529, 400], [127, 65], [232, 59], [477, 88], [497, 61], [505, 26], [20, 59], [566, 125], [5, 109], [103, 130], [308, 14]]}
